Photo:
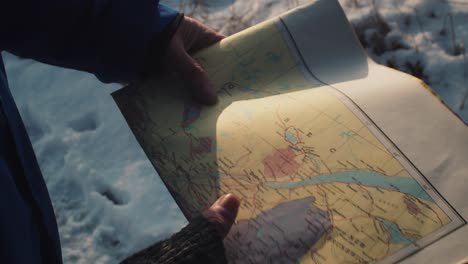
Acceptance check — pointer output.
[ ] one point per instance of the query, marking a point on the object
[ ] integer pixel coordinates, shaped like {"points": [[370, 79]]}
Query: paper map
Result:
{"points": [[318, 181]]}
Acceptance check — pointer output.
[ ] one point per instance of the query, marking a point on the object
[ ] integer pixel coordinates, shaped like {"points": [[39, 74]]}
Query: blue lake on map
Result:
{"points": [[370, 178], [291, 137], [395, 235]]}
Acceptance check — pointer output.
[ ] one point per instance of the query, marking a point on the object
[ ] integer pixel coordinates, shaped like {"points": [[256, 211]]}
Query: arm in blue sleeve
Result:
{"points": [[109, 38]]}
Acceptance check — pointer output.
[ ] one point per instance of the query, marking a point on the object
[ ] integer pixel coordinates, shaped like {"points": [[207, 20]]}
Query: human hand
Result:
{"points": [[190, 37], [222, 213], [199, 242]]}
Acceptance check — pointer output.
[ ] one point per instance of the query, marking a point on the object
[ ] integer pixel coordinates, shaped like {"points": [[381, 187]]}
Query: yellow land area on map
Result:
{"points": [[309, 144], [318, 182]]}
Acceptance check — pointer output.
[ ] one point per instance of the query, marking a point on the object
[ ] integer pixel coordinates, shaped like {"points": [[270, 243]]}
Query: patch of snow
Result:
{"points": [[425, 38], [107, 197]]}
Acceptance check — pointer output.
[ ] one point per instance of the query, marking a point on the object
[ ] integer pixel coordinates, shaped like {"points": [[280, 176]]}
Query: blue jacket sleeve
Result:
{"points": [[110, 38]]}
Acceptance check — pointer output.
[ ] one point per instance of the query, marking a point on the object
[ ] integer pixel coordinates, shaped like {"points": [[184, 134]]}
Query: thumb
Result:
{"points": [[196, 79], [223, 213]]}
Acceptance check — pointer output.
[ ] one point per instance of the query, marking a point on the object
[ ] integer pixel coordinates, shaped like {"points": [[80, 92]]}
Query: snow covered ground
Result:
{"points": [[108, 199]]}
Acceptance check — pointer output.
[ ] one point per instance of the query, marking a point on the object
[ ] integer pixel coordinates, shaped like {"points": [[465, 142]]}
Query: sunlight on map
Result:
{"points": [[317, 184]]}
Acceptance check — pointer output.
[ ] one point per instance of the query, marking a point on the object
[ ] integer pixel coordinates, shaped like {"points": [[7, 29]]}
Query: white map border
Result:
{"points": [[457, 221]]}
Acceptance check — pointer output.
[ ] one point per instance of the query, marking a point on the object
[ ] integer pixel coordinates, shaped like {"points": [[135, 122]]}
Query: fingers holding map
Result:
{"points": [[318, 180]]}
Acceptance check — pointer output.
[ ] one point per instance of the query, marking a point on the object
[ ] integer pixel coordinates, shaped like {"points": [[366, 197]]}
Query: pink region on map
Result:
{"points": [[412, 207], [281, 163]]}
